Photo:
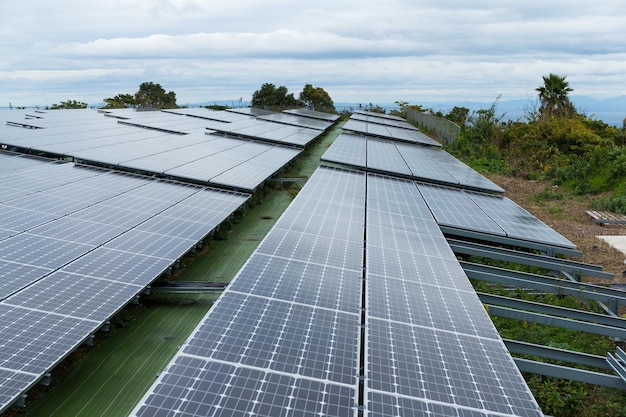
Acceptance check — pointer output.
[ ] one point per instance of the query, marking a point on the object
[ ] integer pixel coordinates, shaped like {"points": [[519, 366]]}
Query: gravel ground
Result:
{"points": [[567, 216]]}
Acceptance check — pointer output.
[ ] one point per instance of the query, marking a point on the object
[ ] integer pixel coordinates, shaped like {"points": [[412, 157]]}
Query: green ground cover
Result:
{"points": [[109, 378]]}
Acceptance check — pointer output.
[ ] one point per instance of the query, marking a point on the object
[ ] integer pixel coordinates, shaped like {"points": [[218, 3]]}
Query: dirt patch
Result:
{"points": [[567, 216]]}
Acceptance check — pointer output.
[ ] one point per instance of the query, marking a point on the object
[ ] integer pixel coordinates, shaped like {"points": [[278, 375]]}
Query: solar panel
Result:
{"points": [[39, 340], [399, 122], [429, 344], [428, 338], [15, 276], [121, 266], [313, 114], [301, 282], [72, 255], [292, 314], [406, 160], [264, 130], [75, 296], [517, 222], [221, 387], [251, 111], [455, 208], [204, 113], [296, 120], [389, 132], [41, 251], [166, 143], [347, 149]]}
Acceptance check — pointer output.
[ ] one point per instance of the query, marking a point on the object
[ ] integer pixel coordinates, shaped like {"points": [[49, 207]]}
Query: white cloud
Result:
{"points": [[358, 50]]}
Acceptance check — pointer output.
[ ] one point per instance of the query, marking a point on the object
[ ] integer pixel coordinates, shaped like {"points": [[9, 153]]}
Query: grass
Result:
{"points": [[111, 377]]}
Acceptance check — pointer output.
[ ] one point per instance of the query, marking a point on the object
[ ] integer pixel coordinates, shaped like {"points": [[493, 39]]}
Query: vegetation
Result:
{"points": [[580, 155], [149, 96], [316, 98], [120, 101], [275, 98], [69, 104]]}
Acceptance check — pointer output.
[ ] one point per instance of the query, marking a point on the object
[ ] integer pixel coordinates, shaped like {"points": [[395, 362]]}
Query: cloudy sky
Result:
{"points": [[358, 51]]}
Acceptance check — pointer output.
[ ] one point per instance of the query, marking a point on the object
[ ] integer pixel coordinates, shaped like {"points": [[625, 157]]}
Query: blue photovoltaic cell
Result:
{"points": [[294, 309], [13, 384], [429, 339], [213, 388], [517, 222], [454, 207], [406, 160], [40, 251], [463, 372], [423, 303], [301, 282], [38, 339], [76, 295], [279, 336], [115, 265], [151, 244], [15, 276]]}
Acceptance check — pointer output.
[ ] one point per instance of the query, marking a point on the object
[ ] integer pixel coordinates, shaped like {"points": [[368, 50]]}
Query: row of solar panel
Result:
{"points": [[403, 134], [406, 160], [452, 206], [147, 141], [430, 342], [76, 245], [285, 336]]}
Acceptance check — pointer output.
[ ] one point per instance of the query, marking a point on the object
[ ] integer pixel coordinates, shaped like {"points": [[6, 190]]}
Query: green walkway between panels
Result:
{"points": [[109, 378]]}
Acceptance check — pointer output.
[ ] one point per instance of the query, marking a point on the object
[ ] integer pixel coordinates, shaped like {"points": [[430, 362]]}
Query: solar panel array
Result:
{"points": [[431, 348], [167, 143], [260, 129], [388, 131], [407, 160], [489, 214], [313, 114], [286, 336], [76, 245], [373, 118]]}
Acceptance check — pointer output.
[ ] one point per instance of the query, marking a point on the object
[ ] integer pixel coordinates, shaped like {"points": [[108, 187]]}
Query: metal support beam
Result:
{"points": [[556, 354], [557, 321], [486, 237], [541, 308], [573, 374], [618, 362], [526, 258], [542, 283]]}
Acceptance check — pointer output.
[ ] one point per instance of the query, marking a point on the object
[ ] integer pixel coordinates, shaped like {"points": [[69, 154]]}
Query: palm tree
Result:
{"points": [[553, 97]]}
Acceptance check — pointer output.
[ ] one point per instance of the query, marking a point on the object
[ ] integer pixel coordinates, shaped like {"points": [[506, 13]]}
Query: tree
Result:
{"points": [[120, 101], [316, 98], [403, 107], [153, 96], [273, 98], [553, 97], [69, 104], [458, 115]]}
